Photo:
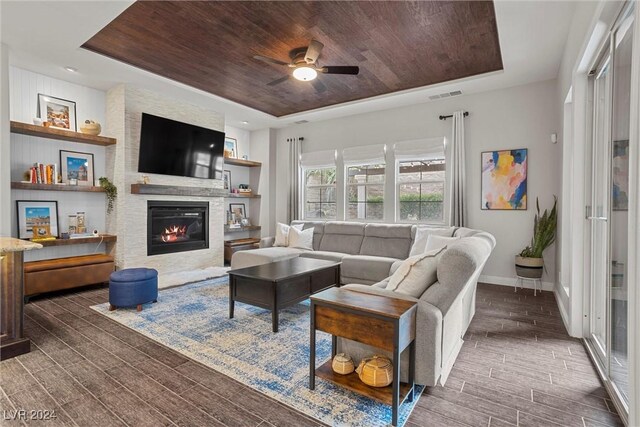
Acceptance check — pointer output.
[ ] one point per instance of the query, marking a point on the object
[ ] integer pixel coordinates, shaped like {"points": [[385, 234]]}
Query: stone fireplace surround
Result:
{"points": [[125, 105]]}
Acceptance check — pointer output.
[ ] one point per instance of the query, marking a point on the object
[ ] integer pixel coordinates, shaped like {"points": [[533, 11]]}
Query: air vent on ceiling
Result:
{"points": [[300, 122], [445, 95]]}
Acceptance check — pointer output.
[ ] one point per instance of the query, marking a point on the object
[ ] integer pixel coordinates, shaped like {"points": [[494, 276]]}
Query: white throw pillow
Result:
{"points": [[301, 239], [416, 274], [282, 234], [438, 242], [422, 234]]}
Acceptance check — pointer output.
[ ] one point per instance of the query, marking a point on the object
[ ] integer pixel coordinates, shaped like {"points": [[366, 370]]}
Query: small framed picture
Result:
{"points": [[41, 231], [238, 210], [61, 113], [76, 168], [36, 216], [227, 180], [230, 148]]}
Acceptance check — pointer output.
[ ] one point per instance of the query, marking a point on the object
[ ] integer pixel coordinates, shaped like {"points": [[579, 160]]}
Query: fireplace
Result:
{"points": [[177, 226]]}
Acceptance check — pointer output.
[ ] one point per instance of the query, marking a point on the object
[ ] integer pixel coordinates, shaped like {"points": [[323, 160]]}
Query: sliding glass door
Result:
{"points": [[619, 187], [599, 209], [607, 213]]}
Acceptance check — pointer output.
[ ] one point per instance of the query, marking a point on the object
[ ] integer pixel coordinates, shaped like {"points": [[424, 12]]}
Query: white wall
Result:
{"points": [[5, 146], [24, 87], [518, 117]]}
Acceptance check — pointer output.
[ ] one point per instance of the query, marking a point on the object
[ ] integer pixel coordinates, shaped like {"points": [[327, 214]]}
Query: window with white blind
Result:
{"points": [[365, 192], [320, 193], [364, 169], [319, 187], [421, 185], [420, 181]]}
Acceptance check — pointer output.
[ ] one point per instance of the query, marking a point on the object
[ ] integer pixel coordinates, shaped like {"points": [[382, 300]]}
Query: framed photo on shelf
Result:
{"points": [[227, 179], [238, 209], [230, 148], [76, 166], [38, 216], [61, 113]]}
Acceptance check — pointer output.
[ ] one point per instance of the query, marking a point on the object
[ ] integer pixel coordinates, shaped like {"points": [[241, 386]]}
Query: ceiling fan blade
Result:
{"points": [[278, 81], [313, 52], [318, 86], [340, 69], [269, 60]]}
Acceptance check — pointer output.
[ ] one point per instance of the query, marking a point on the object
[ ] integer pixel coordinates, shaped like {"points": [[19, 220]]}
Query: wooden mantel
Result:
{"points": [[173, 190]]}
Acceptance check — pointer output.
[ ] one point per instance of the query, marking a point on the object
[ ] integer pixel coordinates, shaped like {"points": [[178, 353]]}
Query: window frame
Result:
{"points": [[398, 184], [366, 184], [305, 187]]}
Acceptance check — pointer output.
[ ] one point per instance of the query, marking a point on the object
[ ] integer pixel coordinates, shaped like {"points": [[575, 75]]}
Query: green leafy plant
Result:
{"points": [[111, 191], [544, 231]]}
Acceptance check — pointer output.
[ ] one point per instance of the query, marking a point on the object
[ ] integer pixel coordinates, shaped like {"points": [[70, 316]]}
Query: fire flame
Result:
{"points": [[172, 233]]}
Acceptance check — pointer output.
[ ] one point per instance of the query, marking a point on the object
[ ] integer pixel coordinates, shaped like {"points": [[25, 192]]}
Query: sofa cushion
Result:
{"points": [[465, 232], [416, 274], [386, 240], [301, 239], [366, 269], [342, 237], [421, 235], [438, 242], [263, 256], [329, 256], [318, 230], [282, 234]]}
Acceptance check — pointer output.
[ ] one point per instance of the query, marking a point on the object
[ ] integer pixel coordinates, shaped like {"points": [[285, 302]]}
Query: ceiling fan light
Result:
{"points": [[305, 74]]}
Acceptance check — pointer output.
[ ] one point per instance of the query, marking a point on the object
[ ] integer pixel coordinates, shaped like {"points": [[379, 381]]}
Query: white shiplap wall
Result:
{"points": [[24, 87]]}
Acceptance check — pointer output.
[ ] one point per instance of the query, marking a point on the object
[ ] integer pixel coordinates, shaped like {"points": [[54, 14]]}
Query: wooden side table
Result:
{"points": [[383, 322]]}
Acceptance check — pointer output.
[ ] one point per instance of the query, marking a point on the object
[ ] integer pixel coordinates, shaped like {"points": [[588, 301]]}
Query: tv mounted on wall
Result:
{"points": [[168, 147]]}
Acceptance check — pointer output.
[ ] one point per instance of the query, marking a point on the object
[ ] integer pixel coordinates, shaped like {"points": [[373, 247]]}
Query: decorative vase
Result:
{"points": [[342, 364], [529, 267], [91, 128], [376, 371]]}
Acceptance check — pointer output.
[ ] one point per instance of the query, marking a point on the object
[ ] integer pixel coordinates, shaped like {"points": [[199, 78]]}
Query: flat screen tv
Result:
{"points": [[168, 147]]}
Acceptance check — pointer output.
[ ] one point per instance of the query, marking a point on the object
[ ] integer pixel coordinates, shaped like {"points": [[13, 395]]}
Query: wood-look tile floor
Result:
{"points": [[517, 367]]}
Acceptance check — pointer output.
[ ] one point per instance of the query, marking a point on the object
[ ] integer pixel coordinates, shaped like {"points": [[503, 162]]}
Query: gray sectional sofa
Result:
{"points": [[370, 253]]}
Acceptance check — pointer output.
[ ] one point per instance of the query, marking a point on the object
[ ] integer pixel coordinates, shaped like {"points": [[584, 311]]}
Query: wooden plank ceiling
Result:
{"points": [[210, 45]]}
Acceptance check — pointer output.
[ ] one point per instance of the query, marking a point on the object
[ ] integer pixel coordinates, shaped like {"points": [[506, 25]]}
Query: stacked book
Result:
{"points": [[43, 174]]}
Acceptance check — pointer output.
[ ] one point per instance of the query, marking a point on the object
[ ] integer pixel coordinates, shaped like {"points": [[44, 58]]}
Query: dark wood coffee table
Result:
{"points": [[280, 284]]}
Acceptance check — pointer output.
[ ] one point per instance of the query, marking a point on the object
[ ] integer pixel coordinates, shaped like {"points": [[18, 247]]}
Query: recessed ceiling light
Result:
{"points": [[71, 69], [305, 73], [244, 122]]}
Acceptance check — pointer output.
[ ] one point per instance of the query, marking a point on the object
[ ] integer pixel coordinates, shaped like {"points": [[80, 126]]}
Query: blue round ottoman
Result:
{"points": [[133, 286]]}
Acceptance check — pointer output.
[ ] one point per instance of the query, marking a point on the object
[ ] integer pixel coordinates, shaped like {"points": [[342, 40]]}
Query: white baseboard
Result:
{"points": [[511, 281], [563, 312]]}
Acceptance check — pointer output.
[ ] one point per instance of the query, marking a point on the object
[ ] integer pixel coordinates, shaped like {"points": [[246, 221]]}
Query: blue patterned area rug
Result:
{"points": [[193, 320]]}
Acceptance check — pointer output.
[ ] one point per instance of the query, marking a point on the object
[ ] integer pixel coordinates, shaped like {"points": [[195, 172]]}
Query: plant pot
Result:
{"points": [[529, 267]]}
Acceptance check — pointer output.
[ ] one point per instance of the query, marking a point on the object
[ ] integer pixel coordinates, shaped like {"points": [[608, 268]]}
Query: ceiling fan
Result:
{"points": [[304, 61]]}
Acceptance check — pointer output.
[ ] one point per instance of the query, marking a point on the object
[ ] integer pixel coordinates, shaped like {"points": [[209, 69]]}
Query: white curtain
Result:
{"points": [[456, 163], [295, 149]]}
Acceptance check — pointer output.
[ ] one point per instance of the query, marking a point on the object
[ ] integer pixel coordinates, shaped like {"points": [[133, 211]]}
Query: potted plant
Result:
{"points": [[529, 263], [111, 191]]}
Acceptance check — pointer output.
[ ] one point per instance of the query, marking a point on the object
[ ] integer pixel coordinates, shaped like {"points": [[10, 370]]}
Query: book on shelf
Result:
{"points": [[43, 174]]}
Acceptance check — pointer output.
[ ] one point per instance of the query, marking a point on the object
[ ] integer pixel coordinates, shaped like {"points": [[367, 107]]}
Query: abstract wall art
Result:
{"points": [[504, 180]]}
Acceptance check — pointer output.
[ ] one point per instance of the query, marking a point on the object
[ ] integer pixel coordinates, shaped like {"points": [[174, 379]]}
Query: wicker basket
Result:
{"points": [[376, 371], [342, 364]]}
